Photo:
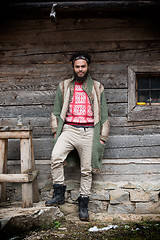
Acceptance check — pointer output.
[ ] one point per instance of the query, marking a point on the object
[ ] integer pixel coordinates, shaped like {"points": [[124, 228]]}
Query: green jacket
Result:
{"points": [[96, 94]]}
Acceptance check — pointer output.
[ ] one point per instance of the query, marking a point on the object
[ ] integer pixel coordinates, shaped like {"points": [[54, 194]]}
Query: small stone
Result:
{"points": [[118, 196], [129, 185], [102, 185], [151, 217], [135, 218], [124, 217], [141, 196], [62, 229], [74, 195], [96, 206], [68, 208], [148, 208], [125, 208], [104, 217], [151, 186], [100, 195]]}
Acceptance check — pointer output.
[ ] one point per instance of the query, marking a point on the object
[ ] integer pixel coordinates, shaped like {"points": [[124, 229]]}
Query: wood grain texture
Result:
{"points": [[34, 59]]}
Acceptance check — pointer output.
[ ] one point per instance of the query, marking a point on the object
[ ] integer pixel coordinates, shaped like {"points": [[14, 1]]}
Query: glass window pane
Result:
{"points": [[143, 96], [155, 82], [155, 96], [142, 82]]}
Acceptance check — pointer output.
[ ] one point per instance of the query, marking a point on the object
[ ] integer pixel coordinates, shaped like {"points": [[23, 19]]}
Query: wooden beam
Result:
{"points": [[19, 178], [35, 182], [3, 166], [26, 166], [15, 134], [85, 4]]}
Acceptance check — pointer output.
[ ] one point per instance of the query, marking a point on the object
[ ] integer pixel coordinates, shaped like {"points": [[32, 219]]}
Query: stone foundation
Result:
{"points": [[120, 198], [106, 197]]}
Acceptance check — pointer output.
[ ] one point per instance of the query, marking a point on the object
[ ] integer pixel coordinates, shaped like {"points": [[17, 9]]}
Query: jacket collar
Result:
{"points": [[87, 85]]}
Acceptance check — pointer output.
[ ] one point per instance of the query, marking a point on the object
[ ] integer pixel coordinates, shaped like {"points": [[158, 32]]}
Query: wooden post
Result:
{"points": [[26, 166], [34, 183], [3, 166]]}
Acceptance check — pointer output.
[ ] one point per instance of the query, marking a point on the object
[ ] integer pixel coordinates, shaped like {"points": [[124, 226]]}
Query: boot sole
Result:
{"points": [[54, 205], [84, 219]]}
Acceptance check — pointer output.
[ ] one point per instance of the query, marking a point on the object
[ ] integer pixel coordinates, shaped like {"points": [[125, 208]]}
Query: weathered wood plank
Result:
{"points": [[26, 111], [120, 161], [119, 126], [35, 173], [131, 146], [121, 141], [45, 110], [140, 173], [107, 30], [116, 95], [3, 166], [74, 175], [14, 134], [145, 113], [19, 178], [46, 78], [131, 169], [14, 98], [58, 50], [26, 166], [119, 110], [134, 152], [124, 177], [104, 56]]}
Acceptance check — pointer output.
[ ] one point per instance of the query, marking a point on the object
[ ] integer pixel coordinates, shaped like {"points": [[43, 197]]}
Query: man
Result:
{"points": [[79, 121]]}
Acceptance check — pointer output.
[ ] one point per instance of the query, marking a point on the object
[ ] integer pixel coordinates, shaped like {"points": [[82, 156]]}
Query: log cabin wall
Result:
{"points": [[35, 56]]}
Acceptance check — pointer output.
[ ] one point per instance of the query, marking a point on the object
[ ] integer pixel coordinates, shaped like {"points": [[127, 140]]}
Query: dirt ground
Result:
{"points": [[82, 230]]}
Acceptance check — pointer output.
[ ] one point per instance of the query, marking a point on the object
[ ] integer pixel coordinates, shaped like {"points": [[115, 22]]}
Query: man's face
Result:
{"points": [[81, 69]]}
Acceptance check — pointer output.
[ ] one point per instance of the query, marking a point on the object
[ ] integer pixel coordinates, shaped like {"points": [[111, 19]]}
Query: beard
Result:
{"points": [[81, 79]]}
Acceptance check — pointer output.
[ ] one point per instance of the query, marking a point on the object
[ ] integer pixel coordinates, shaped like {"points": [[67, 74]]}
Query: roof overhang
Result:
{"points": [[68, 8]]}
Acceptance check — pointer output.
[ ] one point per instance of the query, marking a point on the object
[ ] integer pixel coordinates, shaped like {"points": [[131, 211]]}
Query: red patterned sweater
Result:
{"points": [[80, 111]]}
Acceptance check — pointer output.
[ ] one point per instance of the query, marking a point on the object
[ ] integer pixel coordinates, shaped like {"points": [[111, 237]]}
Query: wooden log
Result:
{"points": [[34, 183], [14, 134], [26, 165], [19, 31], [119, 146], [3, 166], [19, 178], [47, 97], [26, 111], [146, 113]]}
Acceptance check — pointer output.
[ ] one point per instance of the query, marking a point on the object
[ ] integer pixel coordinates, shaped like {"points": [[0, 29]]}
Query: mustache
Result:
{"points": [[81, 79]]}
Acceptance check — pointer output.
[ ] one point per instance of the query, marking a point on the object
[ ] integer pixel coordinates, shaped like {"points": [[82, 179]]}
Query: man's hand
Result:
{"points": [[54, 135], [101, 142]]}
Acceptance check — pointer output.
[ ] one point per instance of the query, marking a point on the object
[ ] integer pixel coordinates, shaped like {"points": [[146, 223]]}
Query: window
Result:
{"points": [[148, 89], [144, 93]]}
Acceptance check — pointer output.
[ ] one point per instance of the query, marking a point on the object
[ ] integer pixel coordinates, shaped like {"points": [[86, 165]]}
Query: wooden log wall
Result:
{"points": [[34, 58]]}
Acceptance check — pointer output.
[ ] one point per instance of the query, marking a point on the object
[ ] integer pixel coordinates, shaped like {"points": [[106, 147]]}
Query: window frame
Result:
{"points": [[138, 112]]}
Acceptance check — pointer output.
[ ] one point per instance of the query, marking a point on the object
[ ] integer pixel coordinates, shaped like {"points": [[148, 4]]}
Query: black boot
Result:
{"points": [[58, 196], [83, 208]]}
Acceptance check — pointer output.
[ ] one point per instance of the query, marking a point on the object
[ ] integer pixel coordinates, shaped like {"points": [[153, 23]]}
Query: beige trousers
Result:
{"points": [[70, 138]]}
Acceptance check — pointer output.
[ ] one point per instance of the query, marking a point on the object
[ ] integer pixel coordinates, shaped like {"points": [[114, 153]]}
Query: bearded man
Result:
{"points": [[79, 122]]}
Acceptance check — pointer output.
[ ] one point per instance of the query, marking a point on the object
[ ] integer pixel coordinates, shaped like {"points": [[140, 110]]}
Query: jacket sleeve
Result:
{"points": [[56, 110], [105, 123]]}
